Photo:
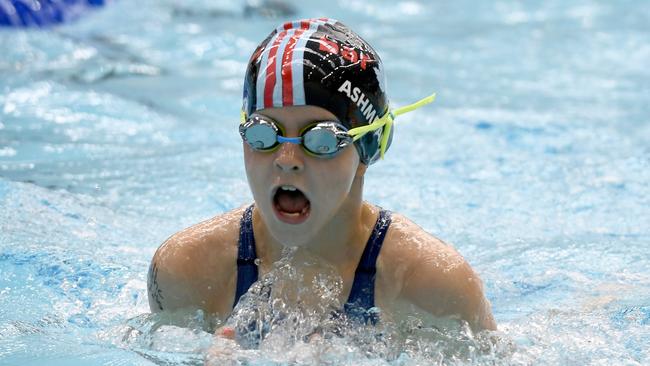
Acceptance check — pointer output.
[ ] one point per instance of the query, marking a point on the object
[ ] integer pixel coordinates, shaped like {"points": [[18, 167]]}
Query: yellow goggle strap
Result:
{"points": [[386, 121]]}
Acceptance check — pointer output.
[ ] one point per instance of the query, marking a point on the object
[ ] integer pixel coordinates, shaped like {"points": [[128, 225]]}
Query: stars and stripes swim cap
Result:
{"points": [[320, 62]]}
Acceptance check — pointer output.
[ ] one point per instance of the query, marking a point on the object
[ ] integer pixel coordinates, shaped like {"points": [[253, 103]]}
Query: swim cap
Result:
{"points": [[323, 63]]}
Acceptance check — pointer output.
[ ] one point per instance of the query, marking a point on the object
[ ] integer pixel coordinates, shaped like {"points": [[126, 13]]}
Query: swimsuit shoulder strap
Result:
{"points": [[246, 268], [362, 294]]}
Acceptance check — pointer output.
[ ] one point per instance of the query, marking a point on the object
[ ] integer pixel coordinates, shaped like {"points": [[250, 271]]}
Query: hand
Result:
{"points": [[225, 332], [222, 350]]}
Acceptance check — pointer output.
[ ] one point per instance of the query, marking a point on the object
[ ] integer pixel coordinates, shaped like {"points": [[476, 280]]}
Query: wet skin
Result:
{"points": [[417, 274]]}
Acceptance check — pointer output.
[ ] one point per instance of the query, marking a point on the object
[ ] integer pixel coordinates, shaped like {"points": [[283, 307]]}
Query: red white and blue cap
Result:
{"points": [[323, 63]]}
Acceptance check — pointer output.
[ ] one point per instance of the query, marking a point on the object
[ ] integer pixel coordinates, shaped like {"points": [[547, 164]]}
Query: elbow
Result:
{"points": [[478, 310]]}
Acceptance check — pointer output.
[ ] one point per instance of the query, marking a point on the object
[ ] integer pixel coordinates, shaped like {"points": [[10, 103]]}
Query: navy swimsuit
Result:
{"points": [[362, 294]]}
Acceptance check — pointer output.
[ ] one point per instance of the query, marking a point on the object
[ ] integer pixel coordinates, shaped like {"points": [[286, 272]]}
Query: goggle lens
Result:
{"points": [[261, 136], [320, 140]]}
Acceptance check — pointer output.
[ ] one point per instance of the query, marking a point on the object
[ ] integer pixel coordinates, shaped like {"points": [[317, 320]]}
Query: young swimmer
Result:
{"points": [[315, 115]]}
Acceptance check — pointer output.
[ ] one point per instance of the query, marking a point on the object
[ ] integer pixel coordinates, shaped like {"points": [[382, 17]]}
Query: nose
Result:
{"points": [[289, 158]]}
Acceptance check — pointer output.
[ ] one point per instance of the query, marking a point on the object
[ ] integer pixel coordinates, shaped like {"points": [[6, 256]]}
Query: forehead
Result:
{"points": [[298, 115]]}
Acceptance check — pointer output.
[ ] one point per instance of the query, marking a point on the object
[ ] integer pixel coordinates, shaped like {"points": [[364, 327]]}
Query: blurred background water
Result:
{"points": [[119, 129]]}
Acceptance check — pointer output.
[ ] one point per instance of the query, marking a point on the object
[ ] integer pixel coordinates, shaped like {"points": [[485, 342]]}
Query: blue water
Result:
{"points": [[120, 129]]}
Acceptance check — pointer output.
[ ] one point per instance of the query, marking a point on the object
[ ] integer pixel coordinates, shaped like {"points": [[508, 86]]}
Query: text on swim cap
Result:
{"points": [[360, 99], [348, 53]]}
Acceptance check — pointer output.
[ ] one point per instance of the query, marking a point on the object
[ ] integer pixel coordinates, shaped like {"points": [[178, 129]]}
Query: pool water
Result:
{"points": [[119, 129]]}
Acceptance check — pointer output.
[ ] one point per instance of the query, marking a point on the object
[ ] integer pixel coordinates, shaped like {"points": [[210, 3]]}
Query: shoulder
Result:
{"points": [[207, 238], [195, 264], [433, 275], [411, 246]]}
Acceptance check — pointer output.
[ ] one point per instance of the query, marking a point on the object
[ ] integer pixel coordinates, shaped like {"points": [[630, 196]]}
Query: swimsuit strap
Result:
{"points": [[362, 294], [246, 268]]}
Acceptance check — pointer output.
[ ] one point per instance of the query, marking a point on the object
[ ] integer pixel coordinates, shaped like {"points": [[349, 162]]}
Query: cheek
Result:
{"points": [[336, 175], [256, 166]]}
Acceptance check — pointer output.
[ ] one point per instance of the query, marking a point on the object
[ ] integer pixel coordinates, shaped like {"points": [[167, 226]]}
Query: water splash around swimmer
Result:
{"points": [[292, 316]]}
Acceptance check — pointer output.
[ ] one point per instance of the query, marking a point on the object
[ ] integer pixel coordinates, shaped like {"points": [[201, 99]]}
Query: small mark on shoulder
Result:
{"points": [[152, 286]]}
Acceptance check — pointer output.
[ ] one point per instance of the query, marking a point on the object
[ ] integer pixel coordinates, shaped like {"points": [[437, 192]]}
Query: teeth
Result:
{"points": [[288, 188], [296, 214]]}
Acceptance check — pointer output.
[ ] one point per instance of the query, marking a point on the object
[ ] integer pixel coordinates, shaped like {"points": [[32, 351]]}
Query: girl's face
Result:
{"points": [[298, 194]]}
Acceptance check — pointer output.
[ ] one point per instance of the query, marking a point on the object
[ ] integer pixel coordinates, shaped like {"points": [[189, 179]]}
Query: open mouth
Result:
{"points": [[291, 205]]}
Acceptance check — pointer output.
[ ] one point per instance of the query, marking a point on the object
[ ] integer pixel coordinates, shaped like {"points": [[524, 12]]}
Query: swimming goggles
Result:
{"points": [[323, 139]]}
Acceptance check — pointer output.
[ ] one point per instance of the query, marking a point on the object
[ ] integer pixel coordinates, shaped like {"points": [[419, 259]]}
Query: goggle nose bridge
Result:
{"points": [[291, 140]]}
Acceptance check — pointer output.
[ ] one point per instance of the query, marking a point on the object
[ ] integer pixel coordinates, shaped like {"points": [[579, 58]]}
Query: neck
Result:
{"points": [[338, 241]]}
